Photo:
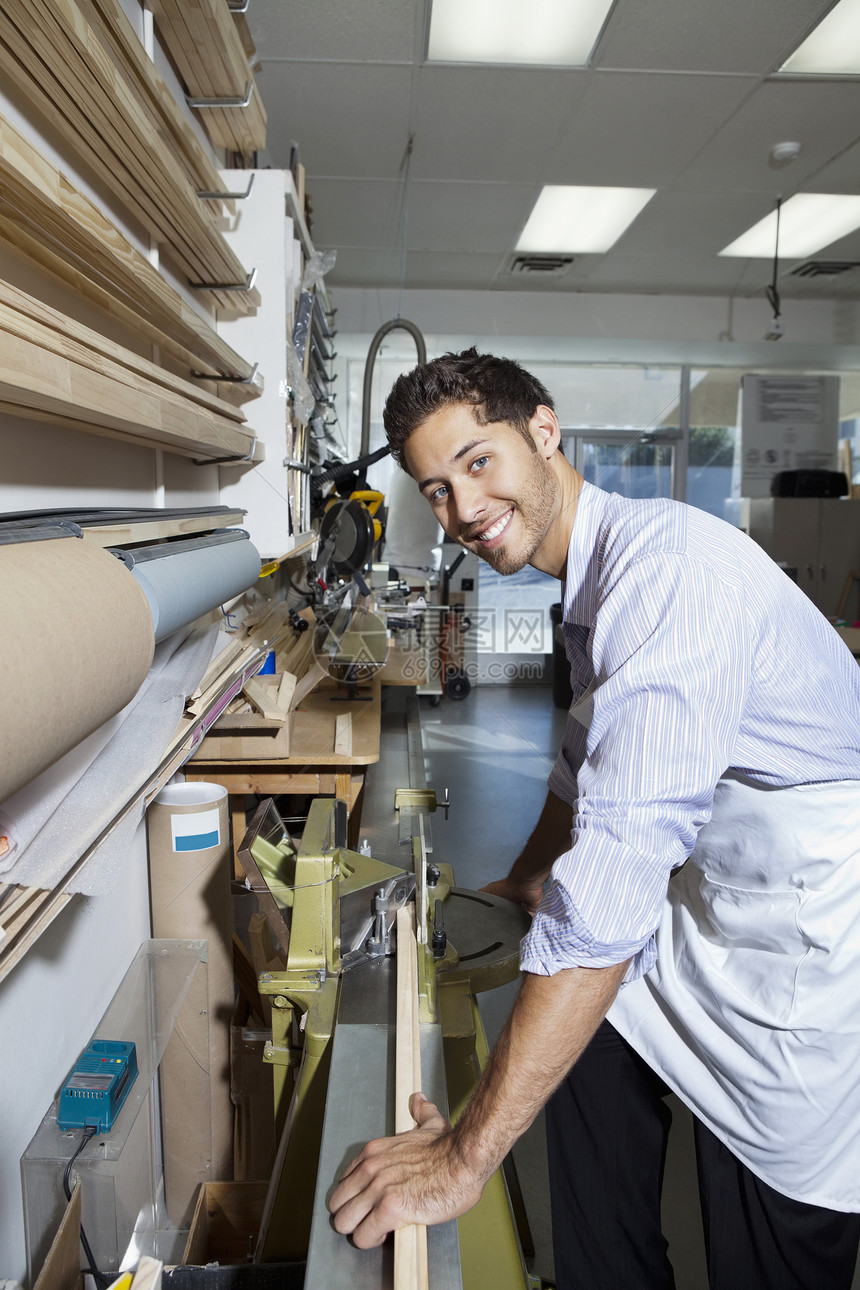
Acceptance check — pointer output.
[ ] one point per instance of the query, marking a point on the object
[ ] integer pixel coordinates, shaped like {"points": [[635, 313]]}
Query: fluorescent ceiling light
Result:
{"points": [[580, 220], [807, 222], [833, 46], [556, 33]]}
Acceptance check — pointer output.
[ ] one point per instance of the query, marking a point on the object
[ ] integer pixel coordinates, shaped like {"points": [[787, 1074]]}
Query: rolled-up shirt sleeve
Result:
{"points": [[670, 653]]}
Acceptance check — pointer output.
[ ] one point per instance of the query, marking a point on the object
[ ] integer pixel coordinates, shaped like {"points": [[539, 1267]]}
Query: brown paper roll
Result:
{"points": [[77, 645], [189, 877]]}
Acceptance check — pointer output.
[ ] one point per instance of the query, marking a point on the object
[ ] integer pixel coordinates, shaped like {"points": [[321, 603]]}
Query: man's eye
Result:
{"points": [[437, 495], [478, 463]]}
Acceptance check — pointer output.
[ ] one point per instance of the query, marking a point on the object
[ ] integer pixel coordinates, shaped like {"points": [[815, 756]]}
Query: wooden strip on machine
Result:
{"points": [[410, 1243]]}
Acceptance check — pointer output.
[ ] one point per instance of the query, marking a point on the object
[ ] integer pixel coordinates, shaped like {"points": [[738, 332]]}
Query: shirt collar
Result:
{"points": [[581, 576]]}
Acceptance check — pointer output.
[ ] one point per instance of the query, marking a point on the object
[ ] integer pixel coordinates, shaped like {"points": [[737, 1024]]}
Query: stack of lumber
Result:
{"points": [[53, 369], [256, 712], [81, 64], [56, 226], [206, 49]]}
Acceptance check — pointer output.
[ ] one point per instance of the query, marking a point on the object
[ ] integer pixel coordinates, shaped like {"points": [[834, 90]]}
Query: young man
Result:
{"points": [[716, 716]]}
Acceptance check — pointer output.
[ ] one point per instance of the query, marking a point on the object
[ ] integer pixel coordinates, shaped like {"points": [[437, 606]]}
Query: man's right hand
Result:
{"points": [[525, 892]]}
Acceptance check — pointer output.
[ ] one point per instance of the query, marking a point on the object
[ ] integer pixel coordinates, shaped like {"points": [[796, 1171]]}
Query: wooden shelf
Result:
{"points": [[53, 369]]}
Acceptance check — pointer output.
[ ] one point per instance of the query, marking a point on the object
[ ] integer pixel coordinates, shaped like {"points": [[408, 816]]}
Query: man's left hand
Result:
{"points": [[417, 1177]]}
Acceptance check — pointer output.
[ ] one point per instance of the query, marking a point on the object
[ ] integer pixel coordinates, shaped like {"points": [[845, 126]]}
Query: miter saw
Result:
{"points": [[332, 911]]}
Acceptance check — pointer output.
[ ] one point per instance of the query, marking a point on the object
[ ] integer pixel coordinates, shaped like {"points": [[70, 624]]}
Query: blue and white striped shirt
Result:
{"points": [[699, 656]]}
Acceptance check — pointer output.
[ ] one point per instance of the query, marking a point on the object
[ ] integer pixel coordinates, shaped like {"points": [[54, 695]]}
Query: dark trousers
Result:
{"points": [[607, 1128]]}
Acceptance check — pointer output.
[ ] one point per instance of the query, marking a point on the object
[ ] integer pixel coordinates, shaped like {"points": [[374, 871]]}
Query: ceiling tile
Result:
{"points": [[667, 273], [694, 222], [822, 116], [425, 270], [467, 217], [439, 217], [490, 122], [355, 212], [347, 119], [374, 31], [841, 175], [641, 130], [729, 36]]}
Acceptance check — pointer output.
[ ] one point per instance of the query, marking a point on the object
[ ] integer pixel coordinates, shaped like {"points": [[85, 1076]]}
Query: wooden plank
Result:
{"points": [[120, 534], [74, 70], [25, 316], [343, 734], [260, 780], [84, 248], [410, 1243], [126, 47], [207, 51], [62, 1267], [264, 700], [309, 681], [286, 689], [47, 386], [58, 60]]}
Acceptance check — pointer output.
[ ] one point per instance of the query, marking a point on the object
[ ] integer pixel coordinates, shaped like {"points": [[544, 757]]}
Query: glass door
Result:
{"points": [[643, 465]]}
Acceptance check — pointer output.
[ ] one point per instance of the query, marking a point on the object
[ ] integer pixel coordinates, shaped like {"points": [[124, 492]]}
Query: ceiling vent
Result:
{"points": [[522, 264], [824, 268]]}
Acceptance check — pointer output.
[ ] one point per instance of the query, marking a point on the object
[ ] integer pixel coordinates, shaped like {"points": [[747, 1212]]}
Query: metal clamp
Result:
{"points": [[226, 286], [292, 464], [225, 197], [220, 461], [421, 797], [234, 102]]}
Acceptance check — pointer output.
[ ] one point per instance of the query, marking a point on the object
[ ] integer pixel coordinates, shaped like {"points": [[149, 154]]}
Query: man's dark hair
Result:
{"points": [[497, 389]]}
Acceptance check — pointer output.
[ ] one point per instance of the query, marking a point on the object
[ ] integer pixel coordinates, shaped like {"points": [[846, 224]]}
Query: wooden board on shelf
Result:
{"points": [[30, 319], [206, 49], [37, 383], [61, 56], [48, 219], [118, 533]]}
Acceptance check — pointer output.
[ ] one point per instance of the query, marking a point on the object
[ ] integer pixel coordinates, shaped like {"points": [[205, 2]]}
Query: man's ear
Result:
{"points": [[545, 430]]}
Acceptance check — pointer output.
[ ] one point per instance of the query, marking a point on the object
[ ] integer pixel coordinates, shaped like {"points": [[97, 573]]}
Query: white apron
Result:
{"points": [[752, 1011]]}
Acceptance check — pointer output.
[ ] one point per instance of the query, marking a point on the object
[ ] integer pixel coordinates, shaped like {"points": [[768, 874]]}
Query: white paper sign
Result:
{"points": [[787, 423]]}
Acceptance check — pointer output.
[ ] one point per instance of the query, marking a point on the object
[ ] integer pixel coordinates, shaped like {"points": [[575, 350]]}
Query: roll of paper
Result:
{"points": [[189, 877], [77, 642], [182, 586]]}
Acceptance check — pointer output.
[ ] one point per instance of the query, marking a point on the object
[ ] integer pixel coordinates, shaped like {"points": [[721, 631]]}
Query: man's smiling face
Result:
{"points": [[492, 490]]}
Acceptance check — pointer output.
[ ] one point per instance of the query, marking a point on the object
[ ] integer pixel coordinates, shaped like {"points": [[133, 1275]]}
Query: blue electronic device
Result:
{"points": [[97, 1086]]}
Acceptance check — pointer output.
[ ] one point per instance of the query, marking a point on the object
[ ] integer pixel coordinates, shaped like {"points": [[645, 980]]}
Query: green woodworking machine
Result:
{"points": [[332, 911]]}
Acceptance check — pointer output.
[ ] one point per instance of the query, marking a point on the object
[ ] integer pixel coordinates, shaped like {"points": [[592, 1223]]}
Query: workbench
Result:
{"points": [[313, 768]]}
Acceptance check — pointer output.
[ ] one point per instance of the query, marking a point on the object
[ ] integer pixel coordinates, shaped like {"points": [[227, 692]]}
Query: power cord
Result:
{"points": [[102, 1279]]}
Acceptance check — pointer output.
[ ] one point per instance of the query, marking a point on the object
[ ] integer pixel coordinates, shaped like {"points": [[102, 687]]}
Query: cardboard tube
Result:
{"points": [[77, 645], [189, 875]]}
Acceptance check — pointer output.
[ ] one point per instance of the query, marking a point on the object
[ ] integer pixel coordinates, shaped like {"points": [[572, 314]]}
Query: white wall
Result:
{"points": [[52, 1000], [49, 1006], [563, 325]]}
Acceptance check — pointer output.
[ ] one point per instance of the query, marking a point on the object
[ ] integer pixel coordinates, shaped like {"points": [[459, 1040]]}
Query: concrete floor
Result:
{"points": [[493, 751]]}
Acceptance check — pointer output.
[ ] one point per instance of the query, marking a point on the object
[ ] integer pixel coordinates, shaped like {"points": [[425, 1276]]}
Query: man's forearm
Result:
{"points": [[550, 838], [553, 1020]]}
